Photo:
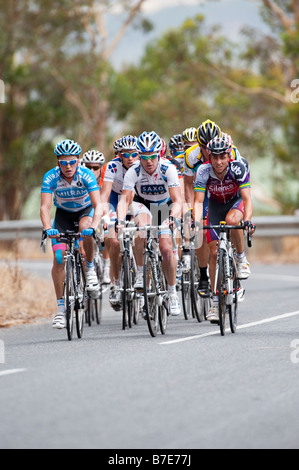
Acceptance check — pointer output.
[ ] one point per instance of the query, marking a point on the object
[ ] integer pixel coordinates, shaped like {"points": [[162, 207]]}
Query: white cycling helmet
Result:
{"points": [[129, 142], [67, 147], [93, 156], [150, 142]]}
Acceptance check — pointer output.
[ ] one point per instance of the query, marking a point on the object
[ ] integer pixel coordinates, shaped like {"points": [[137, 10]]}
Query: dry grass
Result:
{"points": [[24, 298]]}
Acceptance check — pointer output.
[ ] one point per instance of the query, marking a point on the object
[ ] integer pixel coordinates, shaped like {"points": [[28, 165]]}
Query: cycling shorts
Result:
{"points": [[65, 220], [218, 212]]}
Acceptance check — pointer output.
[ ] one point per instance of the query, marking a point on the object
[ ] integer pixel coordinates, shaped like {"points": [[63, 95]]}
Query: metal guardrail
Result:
{"points": [[268, 226], [17, 229]]}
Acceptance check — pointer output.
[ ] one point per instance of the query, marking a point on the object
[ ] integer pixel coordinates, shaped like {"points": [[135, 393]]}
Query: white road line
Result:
{"points": [[240, 327], [11, 371]]}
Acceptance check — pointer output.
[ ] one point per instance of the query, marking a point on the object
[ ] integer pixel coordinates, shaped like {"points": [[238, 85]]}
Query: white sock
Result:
{"points": [[172, 289]]}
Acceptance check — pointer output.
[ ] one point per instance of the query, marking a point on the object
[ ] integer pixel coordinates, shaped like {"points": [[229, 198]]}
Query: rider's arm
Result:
{"points": [[126, 199], [45, 207], [177, 201], [198, 206], [189, 193], [105, 195], [96, 204]]}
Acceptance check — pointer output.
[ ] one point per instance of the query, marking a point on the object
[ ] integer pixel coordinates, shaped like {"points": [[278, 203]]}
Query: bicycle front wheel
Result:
{"points": [[150, 294], [69, 298], [163, 310], [186, 295], [233, 309], [81, 299], [197, 304], [126, 292], [222, 288]]}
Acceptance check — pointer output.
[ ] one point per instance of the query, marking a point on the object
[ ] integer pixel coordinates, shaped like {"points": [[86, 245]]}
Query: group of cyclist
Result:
{"points": [[204, 175]]}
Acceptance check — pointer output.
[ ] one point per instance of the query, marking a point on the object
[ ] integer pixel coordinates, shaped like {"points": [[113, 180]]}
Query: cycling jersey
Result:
{"points": [[152, 189], [179, 164], [222, 191], [74, 196], [103, 172], [114, 174], [194, 158]]}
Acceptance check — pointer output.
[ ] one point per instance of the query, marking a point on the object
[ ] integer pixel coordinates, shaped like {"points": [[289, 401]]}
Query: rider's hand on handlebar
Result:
{"points": [[249, 225], [88, 232], [119, 225], [105, 221], [52, 233]]}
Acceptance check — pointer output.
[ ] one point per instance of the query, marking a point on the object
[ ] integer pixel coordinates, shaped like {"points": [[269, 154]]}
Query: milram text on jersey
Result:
{"points": [[152, 188], [73, 196]]}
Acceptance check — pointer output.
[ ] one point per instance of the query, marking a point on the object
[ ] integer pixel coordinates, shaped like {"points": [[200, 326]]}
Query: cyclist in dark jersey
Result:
{"points": [[228, 186]]}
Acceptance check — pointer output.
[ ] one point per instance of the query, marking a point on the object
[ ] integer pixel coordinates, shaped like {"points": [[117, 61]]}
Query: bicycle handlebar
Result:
{"points": [[225, 228]]}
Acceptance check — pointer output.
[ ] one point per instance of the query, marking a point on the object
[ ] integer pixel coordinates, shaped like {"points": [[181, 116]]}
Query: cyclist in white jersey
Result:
{"points": [[128, 153], [154, 183], [77, 199]]}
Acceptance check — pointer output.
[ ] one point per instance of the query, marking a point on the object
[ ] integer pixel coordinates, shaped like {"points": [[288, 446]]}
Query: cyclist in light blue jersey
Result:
{"points": [[77, 200]]}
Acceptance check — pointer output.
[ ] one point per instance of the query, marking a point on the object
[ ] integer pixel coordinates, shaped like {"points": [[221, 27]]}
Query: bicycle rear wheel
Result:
{"points": [[233, 309], [126, 291], [69, 298], [150, 295], [222, 291]]}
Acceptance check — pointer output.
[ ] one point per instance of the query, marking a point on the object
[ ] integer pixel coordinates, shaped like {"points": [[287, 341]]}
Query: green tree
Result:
{"points": [[58, 80]]}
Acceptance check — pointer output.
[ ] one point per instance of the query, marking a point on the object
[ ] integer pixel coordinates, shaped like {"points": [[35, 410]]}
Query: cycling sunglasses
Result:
{"points": [[149, 157], [67, 162], [93, 168], [130, 154]]}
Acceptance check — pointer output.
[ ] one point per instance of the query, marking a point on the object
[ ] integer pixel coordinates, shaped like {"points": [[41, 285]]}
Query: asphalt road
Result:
{"points": [[189, 389]]}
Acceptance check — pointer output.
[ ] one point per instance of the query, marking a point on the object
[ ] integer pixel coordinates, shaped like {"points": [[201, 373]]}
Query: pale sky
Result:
{"points": [[151, 6]]}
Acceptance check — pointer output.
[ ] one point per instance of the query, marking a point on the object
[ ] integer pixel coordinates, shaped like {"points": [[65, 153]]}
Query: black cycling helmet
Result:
{"points": [[207, 131]]}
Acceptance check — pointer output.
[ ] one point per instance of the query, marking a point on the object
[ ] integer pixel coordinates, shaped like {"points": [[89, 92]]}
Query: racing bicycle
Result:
{"points": [[227, 284], [75, 294]]}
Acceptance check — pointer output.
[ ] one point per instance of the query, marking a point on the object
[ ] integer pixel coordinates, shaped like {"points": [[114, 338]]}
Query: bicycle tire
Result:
{"points": [[150, 294], [126, 286], [135, 298], [233, 309], [197, 304], [221, 291], [186, 295], [98, 304], [69, 298], [163, 311], [80, 301]]}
